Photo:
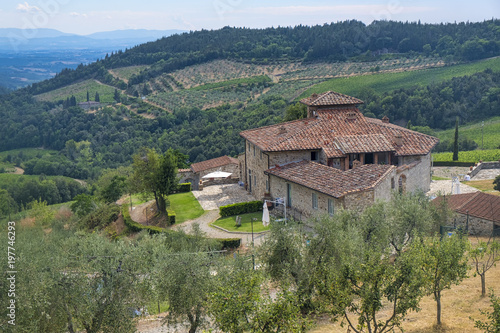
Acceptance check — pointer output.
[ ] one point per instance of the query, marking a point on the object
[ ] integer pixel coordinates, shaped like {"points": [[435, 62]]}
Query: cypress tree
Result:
{"points": [[97, 98], [455, 143]]}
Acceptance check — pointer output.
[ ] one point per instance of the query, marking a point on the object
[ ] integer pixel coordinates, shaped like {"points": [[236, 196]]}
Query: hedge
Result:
{"points": [[171, 216], [184, 187], [136, 227], [230, 243], [240, 208], [451, 163]]}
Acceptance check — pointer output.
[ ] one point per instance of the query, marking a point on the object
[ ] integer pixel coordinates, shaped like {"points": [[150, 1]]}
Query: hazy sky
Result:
{"points": [[88, 16]]}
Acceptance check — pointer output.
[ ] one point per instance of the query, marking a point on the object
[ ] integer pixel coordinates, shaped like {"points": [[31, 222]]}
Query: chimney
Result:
{"points": [[398, 139], [352, 116], [282, 130], [385, 119], [311, 111]]}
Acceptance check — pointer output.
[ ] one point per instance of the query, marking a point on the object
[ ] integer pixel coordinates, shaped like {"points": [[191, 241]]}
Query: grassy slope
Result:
{"points": [[469, 156], [491, 132], [385, 82], [79, 90], [126, 73], [7, 179], [28, 153]]}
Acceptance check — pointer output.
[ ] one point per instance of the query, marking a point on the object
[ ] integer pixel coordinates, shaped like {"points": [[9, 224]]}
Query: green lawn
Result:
{"points": [[186, 206], [385, 82], [229, 223]]}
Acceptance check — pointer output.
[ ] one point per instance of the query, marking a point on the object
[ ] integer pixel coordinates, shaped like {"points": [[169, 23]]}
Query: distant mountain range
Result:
{"points": [[16, 40]]}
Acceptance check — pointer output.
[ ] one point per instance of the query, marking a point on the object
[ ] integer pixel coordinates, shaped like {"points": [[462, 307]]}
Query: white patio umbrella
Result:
{"points": [[217, 174], [265, 215]]}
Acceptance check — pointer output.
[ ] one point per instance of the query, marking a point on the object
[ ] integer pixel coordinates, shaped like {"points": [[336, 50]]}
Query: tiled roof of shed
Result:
{"points": [[335, 128], [330, 98], [213, 163], [331, 181], [478, 204]]}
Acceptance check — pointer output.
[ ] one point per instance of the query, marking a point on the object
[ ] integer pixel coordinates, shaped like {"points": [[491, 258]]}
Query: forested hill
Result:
{"points": [[348, 40]]}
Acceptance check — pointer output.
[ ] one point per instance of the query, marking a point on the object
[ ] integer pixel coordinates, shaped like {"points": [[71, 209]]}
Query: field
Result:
{"points": [[491, 133], [469, 156], [385, 82], [27, 153], [483, 185], [6, 179], [125, 73], [79, 90]]}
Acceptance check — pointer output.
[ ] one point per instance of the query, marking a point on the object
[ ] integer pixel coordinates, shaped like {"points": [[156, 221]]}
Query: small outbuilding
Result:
{"points": [[478, 211]]}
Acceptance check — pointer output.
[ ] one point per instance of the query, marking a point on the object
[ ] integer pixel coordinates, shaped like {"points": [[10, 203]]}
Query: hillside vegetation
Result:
{"points": [[386, 82]]}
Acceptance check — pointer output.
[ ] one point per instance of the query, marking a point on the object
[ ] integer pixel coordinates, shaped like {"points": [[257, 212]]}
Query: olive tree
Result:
{"points": [[484, 256], [445, 264]]}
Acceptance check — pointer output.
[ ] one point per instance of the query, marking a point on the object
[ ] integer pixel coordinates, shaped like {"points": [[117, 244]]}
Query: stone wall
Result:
{"points": [[256, 164], [484, 165], [302, 198], [359, 200], [384, 189], [417, 173], [189, 177], [477, 226]]}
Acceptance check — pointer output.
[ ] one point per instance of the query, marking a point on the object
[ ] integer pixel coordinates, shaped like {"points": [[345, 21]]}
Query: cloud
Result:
{"points": [[27, 8], [340, 9], [75, 14]]}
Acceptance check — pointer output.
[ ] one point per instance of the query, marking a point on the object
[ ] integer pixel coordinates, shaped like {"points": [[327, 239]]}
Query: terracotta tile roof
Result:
{"points": [[331, 181], [330, 98], [335, 128], [213, 163], [352, 144], [478, 204]]}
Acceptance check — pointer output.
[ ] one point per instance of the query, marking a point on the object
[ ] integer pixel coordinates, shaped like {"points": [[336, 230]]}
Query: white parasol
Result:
{"points": [[265, 215], [218, 174]]}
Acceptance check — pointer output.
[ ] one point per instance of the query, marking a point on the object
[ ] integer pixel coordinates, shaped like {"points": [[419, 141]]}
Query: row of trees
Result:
{"points": [[355, 267], [330, 42]]}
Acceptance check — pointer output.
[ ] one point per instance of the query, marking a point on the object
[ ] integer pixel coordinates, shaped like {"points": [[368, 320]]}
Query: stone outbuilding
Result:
{"points": [[195, 173], [478, 211]]}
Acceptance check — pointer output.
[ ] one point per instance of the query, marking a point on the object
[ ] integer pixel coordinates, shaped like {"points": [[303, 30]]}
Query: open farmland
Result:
{"points": [[385, 82]]}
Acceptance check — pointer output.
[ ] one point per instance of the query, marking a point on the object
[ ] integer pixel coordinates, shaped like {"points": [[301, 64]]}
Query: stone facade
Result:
{"points": [[196, 178], [302, 198], [477, 226]]}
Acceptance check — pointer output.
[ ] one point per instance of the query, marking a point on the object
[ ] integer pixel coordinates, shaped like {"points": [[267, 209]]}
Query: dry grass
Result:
{"points": [[485, 185], [458, 304]]}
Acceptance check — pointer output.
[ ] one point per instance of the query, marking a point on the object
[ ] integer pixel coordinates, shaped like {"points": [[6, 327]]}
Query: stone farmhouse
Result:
{"points": [[335, 158], [196, 172], [478, 212]]}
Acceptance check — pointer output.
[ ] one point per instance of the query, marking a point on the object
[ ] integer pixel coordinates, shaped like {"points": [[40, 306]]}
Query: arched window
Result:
{"points": [[402, 184]]}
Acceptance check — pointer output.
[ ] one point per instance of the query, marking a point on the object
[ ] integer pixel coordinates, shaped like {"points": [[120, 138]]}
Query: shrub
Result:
{"points": [[453, 163], [100, 217], [241, 208], [171, 217], [230, 243], [136, 227], [496, 183], [184, 187]]}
